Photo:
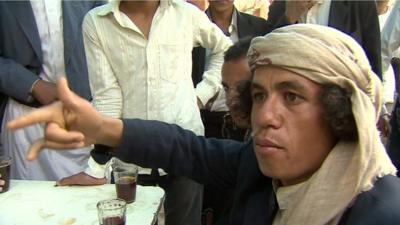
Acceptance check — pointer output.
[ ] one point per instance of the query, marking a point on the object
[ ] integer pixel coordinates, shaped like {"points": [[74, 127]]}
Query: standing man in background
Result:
{"points": [[40, 41], [235, 25], [359, 19]]}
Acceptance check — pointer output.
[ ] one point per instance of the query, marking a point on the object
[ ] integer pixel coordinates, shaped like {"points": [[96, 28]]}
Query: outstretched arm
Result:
{"points": [[72, 122]]}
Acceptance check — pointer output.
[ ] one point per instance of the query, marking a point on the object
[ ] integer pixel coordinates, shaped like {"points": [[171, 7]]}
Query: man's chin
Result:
{"points": [[265, 170]]}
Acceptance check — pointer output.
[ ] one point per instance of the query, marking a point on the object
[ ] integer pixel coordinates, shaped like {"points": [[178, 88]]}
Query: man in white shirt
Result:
{"points": [[40, 41], [139, 57]]}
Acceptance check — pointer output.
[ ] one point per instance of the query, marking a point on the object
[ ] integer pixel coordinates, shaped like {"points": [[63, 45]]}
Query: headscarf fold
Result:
{"points": [[328, 56]]}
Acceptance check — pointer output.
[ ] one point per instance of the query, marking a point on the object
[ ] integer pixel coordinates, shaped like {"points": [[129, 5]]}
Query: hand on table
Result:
{"points": [[81, 179]]}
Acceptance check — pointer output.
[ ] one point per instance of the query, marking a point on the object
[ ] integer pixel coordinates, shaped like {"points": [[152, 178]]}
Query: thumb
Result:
{"points": [[65, 94]]}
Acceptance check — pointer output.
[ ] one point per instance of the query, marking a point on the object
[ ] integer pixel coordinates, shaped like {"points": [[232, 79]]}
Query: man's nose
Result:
{"points": [[269, 113]]}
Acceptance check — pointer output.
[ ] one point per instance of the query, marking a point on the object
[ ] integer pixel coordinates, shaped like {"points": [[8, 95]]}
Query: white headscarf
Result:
{"points": [[325, 55]]}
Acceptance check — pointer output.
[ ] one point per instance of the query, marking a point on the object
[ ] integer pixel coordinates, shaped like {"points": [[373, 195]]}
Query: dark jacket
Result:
{"points": [[247, 25], [21, 55], [230, 164], [393, 147], [358, 19]]}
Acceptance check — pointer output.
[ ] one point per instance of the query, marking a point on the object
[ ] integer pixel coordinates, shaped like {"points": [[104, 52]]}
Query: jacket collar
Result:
{"points": [[24, 15]]}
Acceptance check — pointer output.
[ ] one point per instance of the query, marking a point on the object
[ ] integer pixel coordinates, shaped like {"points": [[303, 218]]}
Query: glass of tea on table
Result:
{"points": [[112, 212], [5, 164], [125, 177]]}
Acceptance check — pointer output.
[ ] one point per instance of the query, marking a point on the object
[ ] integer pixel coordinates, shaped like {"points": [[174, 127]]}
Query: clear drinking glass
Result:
{"points": [[112, 212], [5, 164], [125, 177]]}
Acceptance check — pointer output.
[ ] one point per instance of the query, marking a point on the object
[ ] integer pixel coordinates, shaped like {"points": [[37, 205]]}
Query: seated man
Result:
{"points": [[315, 156]]}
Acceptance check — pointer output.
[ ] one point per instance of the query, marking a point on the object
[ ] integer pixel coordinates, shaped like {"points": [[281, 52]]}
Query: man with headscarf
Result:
{"points": [[315, 156]]}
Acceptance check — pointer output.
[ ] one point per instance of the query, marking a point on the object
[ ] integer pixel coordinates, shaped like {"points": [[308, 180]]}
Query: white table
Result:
{"points": [[41, 203]]}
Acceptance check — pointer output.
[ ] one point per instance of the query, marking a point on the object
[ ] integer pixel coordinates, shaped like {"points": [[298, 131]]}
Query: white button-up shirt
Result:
{"points": [[318, 14], [390, 44], [135, 77], [50, 28], [132, 76]]}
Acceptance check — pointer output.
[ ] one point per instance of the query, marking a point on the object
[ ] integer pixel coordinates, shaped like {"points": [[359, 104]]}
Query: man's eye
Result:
{"points": [[292, 97], [258, 97]]}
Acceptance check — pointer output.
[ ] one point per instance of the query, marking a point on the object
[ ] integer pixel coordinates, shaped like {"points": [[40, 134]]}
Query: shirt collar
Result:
{"points": [[233, 26], [319, 2], [113, 7]]}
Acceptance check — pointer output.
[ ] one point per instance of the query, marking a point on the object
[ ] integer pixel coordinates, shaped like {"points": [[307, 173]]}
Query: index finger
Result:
{"points": [[40, 115]]}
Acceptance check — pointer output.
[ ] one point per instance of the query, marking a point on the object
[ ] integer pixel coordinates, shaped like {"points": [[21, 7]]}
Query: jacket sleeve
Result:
{"points": [[370, 33], [154, 144], [15, 80]]}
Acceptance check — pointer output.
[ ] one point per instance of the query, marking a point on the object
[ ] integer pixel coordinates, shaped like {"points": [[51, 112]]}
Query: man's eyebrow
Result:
{"points": [[255, 85], [292, 85]]}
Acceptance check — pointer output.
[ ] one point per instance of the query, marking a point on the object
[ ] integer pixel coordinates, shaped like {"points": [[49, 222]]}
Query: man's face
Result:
{"points": [[235, 73], [291, 138], [220, 5]]}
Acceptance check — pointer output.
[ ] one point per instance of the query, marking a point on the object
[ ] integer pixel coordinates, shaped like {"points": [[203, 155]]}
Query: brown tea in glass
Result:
{"points": [[125, 177], [126, 188], [5, 164], [113, 221]]}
